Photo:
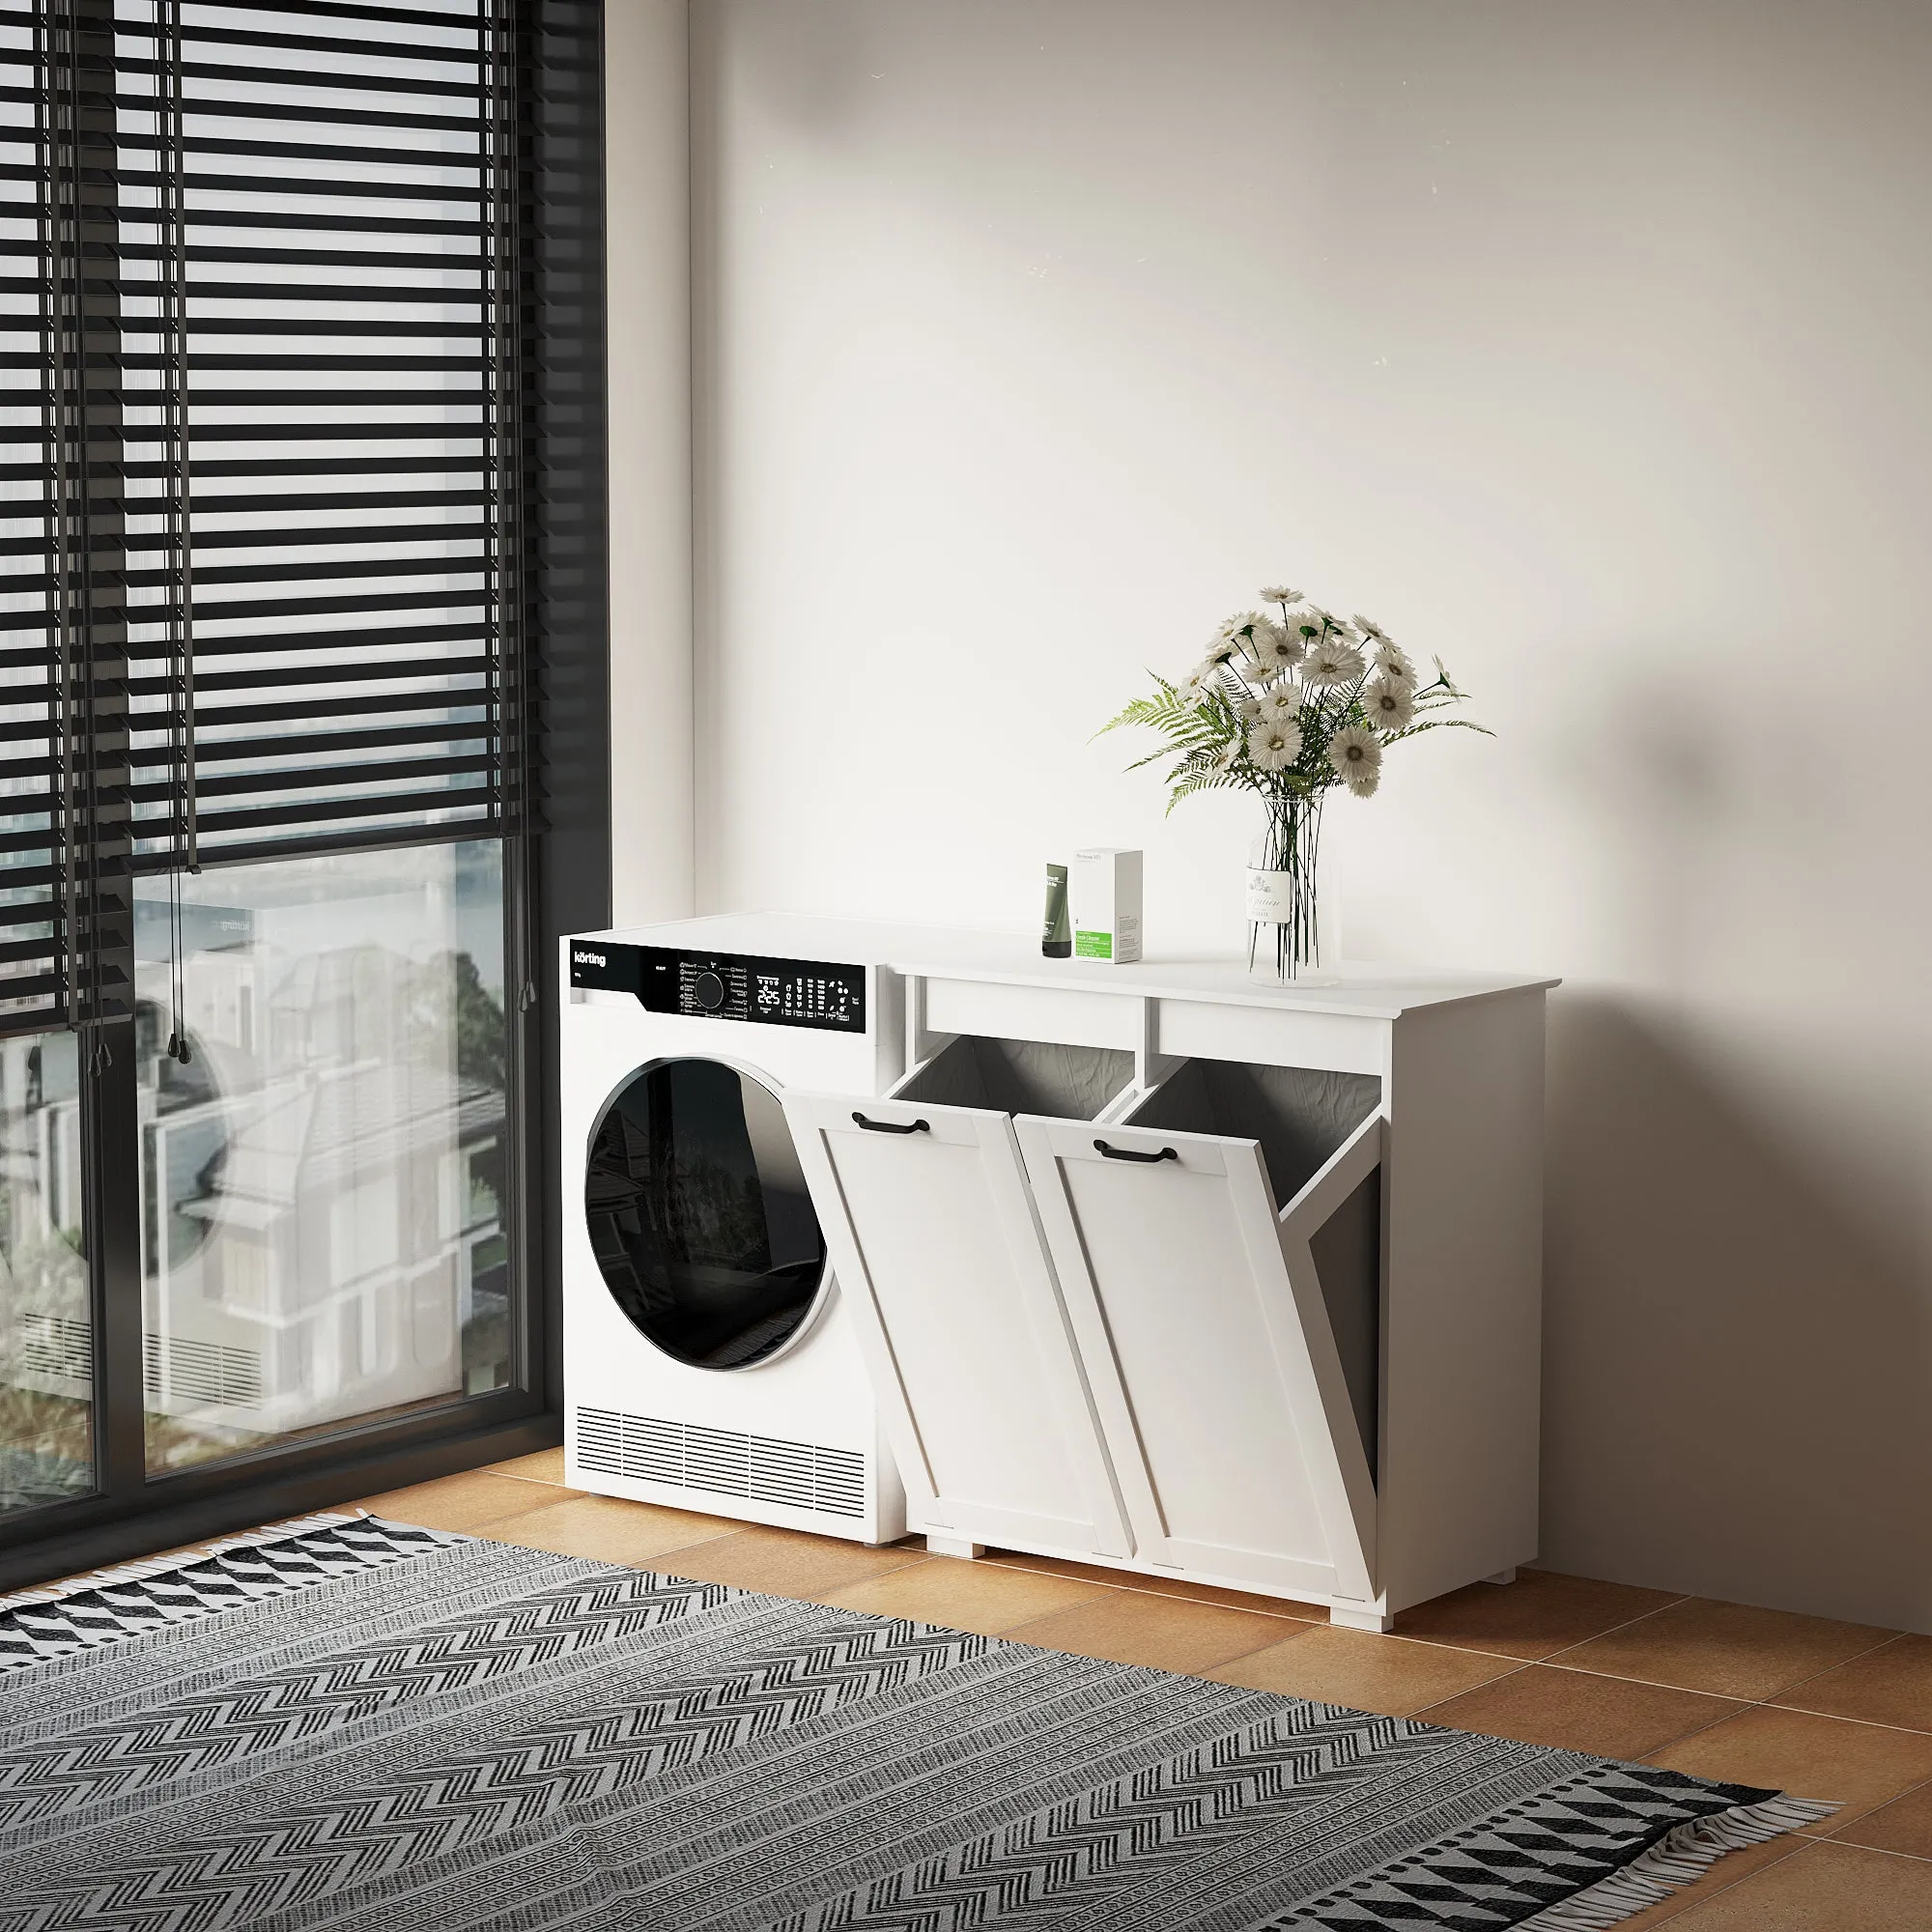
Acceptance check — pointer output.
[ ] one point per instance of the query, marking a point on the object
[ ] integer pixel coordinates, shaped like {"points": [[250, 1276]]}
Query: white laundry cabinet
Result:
{"points": [[1168, 1268]]}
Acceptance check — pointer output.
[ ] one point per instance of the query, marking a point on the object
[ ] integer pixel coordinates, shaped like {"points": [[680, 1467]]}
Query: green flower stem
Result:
{"points": [[1292, 845]]}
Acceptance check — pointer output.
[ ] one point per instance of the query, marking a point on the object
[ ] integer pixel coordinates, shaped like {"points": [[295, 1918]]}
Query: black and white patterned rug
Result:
{"points": [[359, 1725]]}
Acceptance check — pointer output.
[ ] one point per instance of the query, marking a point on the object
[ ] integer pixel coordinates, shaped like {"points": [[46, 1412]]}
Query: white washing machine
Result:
{"points": [[708, 1361]]}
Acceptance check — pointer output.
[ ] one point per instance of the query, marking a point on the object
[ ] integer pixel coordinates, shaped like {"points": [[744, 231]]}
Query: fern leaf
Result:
{"points": [[1438, 725], [1202, 781]]}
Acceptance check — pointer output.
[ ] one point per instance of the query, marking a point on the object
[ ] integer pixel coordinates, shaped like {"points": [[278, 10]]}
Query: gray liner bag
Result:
{"points": [[1022, 1076]]}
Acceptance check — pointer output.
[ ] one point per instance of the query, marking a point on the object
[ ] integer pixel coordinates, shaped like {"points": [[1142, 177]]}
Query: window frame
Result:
{"points": [[557, 880]]}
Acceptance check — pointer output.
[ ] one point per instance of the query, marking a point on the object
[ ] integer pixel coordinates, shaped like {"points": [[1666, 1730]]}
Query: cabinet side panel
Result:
{"points": [[1463, 1325]]}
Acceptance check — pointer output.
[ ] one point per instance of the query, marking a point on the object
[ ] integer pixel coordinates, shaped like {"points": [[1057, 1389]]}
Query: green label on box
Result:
{"points": [[1093, 946]]}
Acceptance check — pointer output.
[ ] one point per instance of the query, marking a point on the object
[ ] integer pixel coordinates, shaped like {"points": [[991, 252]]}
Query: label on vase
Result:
{"points": [[1270, 897]]}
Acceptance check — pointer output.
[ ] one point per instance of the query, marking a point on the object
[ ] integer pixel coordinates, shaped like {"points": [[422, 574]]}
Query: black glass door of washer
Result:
{"points": [[698, 1215]]}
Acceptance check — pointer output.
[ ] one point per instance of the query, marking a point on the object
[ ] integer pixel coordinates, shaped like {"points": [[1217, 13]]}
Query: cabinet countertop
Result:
{"points": [[1351, 989]]}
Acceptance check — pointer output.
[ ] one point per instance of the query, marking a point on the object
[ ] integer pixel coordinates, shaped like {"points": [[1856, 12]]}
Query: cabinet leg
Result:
{"points": [[1502, 1576], [1360, 1618], [954, 1545]]}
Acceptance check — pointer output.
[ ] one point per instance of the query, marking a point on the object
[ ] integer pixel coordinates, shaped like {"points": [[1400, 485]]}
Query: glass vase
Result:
{"points": [[1284, 934]]}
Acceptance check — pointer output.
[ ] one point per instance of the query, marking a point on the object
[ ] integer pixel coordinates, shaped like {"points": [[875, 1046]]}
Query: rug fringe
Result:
{"points": [[161, 1566], [1678, 1859]]}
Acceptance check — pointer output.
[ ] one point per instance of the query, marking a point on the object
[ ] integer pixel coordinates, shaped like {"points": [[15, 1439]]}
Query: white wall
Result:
{"points": [[1583, 346], [648, 190]]}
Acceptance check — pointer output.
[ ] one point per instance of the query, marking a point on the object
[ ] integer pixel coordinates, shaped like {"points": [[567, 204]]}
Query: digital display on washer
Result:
{"points": [[727, 986]]}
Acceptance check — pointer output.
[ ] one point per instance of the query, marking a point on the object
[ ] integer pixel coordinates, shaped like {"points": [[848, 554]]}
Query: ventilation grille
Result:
{"points": [[764, 1468], [204, 1372], [55, 1344]]}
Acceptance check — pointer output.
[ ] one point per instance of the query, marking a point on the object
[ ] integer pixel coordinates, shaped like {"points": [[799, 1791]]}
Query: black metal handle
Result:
{"points": [[891, 1127], [1127, 1153]]}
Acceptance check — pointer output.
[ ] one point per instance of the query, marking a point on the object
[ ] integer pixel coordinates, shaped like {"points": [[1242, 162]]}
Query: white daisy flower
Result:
{"points": [[1221, 646], [1275, 647], [1202, 682], [1357, 759], [1240, 623], [1313, 623], [1369, 628], [1390, 703], [1393, 665], [1274, 746], [1248, 710], [1331, 662], [1279, 595], [1278, 706], [1224, 758]]}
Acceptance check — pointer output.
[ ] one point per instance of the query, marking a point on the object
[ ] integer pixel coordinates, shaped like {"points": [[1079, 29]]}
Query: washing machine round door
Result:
{"points": [[700, 1216]]}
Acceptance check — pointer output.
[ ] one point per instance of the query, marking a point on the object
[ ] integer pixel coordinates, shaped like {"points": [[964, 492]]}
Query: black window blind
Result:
{"points": [[267, 302]]}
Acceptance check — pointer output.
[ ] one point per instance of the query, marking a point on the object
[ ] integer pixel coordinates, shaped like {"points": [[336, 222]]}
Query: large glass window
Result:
{"points": [[323, 1179], [298, 433]]}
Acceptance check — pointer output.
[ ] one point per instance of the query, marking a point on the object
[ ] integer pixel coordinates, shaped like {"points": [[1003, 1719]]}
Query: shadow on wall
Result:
{"points": [[1734, 1360]]}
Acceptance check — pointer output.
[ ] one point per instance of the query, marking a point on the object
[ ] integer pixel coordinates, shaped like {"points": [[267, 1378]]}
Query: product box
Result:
{"points": [[1103, 890]]}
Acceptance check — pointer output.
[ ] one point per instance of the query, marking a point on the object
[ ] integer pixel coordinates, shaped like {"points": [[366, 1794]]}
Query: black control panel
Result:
{"points": [[727, 986]]}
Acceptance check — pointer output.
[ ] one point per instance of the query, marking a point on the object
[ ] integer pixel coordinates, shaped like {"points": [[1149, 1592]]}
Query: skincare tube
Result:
{"points": [[1056, 939]]}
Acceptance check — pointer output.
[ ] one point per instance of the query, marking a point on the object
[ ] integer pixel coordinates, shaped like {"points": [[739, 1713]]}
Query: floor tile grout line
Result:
{"points": [[1697, 1730], [1776, 1703], [1444, 1644], [1555, 1662], [1768, 1701], [1583, 1643], [1629, 1623], [1664, 1743], [1845, 1664], [1517, 1663], [1825, 1826], [1877, 1851], [1838, 1717], [1554, 1659], [1441, 1703], [1477, 1650]]}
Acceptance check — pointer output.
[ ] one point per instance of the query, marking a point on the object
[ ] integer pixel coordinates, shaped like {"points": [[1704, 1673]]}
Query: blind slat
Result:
{"points": [[274, 273]]}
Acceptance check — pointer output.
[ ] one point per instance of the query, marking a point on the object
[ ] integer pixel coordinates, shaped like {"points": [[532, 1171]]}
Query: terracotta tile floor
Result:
{"points": [[1821, 1709]]}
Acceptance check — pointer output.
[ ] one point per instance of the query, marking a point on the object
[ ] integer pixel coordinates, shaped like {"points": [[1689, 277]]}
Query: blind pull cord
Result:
{"points": [[65, 351], [180, 519]]}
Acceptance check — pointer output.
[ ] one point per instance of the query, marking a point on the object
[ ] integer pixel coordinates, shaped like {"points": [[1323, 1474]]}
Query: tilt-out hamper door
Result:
{"points": [[1213, 1366], [934, 1239]]}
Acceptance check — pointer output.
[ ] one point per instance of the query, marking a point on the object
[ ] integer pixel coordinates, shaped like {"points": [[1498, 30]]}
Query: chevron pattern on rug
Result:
{"points": [[355, 1722], [35, 1625]]}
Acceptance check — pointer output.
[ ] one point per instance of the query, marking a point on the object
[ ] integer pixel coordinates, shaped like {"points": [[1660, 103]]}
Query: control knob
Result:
{"points": [[707, 990]]}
